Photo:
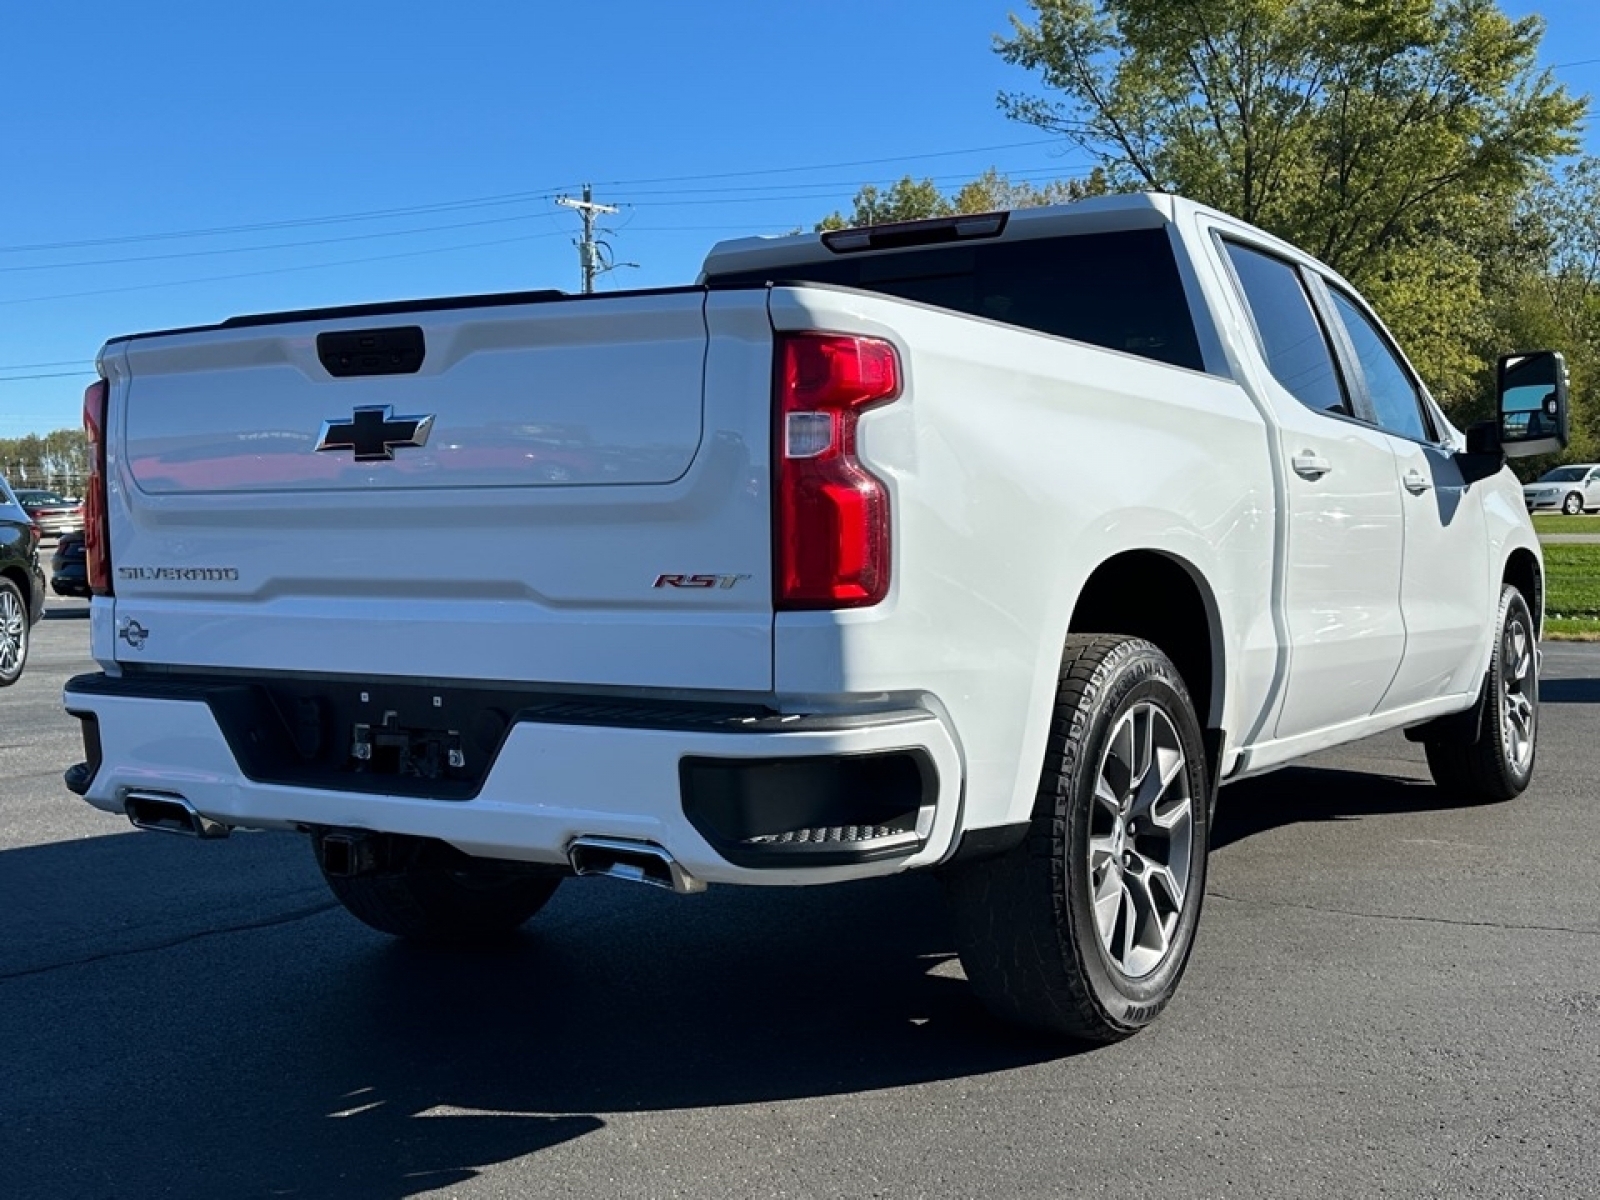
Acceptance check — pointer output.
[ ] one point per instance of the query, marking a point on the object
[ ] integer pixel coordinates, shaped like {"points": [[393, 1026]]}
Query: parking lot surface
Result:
{"points": [[1391, 996]]}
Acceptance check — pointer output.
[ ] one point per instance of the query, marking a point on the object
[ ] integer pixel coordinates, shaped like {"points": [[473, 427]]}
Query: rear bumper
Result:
{"points": [[553, 781]]}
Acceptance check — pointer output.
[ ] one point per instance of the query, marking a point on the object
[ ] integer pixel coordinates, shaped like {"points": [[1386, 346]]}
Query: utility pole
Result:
{"points": [[588, 248]]}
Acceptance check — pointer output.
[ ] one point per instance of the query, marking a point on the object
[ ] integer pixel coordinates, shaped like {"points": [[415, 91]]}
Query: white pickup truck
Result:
{"points": [[985, 545]]}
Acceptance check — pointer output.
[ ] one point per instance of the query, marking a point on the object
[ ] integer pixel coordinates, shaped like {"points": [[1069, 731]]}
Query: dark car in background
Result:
{"points": [[51, 511], [69, 567], [21, 584]]}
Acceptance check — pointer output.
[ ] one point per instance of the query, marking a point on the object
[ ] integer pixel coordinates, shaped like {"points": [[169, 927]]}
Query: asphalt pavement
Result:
{"points": [[1392, 995]]}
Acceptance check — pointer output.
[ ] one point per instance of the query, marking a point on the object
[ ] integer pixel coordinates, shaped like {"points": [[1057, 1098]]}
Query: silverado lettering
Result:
{"points": [[181, 574]]}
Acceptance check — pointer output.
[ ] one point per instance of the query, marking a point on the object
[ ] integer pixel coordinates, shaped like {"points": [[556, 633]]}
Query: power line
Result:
{"points": [[823, 192], [65, 362], [1022, 176], [51, 375], [546, 193], [862, 162], [257, 227], [353, 237], [774, 193], [348, 262]]}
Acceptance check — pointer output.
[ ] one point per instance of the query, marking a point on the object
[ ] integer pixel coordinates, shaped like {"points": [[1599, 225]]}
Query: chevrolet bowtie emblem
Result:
{"points": [[373, 432]]}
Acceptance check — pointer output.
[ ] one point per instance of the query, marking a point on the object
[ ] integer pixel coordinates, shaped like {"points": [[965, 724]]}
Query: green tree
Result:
{"points": [[1550, 291], [1391, 138], [908, 200], [913, 200], [992, 191]]}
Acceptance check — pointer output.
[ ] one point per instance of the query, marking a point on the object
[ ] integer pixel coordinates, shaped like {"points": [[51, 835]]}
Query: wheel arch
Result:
{"points": [[1522, 571], [19, 577], [1164, 599]]}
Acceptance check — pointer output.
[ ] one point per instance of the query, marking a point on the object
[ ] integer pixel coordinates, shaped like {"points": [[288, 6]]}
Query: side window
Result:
{"points": [[1394, 398], [1296, 347]]}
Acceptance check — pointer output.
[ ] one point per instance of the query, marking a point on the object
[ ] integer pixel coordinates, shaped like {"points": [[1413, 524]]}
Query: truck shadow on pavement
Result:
{"points": [[1294, 795], [265, 1043]]}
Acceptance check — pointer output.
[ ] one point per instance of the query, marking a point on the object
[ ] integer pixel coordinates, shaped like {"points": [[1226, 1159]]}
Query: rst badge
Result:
{"points": [[697, 581]]}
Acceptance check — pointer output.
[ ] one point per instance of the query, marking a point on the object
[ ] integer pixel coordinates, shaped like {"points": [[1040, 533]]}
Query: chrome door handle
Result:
{"points": [[1416, 483], [1311, 466]]}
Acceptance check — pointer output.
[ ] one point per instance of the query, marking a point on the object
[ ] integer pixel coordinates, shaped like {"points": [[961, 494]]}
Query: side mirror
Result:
{"points": [[1533, 403]]}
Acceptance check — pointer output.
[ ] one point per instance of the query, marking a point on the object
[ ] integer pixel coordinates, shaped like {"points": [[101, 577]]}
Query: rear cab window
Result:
{"points": [[1119, 290]]}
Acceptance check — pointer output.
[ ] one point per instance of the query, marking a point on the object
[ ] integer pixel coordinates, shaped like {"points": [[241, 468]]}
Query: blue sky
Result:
{"points": [[351, 151]]}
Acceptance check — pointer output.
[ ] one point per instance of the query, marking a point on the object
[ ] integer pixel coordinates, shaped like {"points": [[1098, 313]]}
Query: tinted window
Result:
{"points": [[1389, 386], [1118, 290], [1293, 339]]}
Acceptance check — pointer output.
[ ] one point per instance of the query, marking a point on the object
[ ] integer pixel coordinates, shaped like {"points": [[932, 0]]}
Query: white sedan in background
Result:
{"points": [[1572, 489]]}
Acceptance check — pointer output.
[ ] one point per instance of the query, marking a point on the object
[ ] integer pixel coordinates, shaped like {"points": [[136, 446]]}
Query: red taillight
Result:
{"points": [[96, 525], [831, 515]]}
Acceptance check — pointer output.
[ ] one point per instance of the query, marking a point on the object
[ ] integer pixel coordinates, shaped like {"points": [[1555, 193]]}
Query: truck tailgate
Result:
{"points": [[533, 492]]}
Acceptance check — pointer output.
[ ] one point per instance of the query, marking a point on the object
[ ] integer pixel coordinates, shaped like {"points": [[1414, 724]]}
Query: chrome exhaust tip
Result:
{"points": [[636, 862], [168, 813]]}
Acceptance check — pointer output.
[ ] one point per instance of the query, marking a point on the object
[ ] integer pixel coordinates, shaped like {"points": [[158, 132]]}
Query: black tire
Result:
{"points": [[427, 891], [1572, 505], [1498, 764], [1025, 922], [14, 633]]}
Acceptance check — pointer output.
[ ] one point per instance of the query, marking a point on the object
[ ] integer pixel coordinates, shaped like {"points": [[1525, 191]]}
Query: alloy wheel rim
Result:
{"points": [[1519, 685], [13, 629], [1141, 841]]}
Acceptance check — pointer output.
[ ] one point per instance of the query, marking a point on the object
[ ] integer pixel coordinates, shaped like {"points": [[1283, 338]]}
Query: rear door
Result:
{"points": [[567, 492]]}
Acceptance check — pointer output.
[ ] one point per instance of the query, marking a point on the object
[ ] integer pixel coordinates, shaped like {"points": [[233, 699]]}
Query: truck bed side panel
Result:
{"points": [[1018, 464]]}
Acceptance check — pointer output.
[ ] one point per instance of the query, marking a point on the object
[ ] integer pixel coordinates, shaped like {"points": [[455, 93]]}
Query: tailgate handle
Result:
{"points": [[354, 352]]}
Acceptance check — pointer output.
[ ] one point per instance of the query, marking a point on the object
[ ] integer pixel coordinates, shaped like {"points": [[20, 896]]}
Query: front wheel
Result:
{"points": [[1498, 763], [427, 891], [1572, 505], [13, 633], [1085, 928]]}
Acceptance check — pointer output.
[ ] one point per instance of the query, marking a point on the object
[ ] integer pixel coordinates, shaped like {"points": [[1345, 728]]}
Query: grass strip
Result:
{"points": [[1572, 592], [1558, 523]]}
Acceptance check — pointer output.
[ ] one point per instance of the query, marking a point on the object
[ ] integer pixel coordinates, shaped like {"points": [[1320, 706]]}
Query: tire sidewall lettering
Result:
{"points": [[1120, 685]]}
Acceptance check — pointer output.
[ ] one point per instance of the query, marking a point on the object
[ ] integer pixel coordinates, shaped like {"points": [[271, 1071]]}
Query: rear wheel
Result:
{"points": [[1498, 763], [13, 633], [1085, 928], [427, 891], [1572, 505]]}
